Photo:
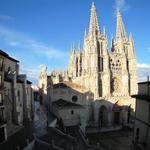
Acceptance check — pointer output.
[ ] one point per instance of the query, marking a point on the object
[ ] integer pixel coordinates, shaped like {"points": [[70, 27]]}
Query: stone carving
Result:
{"points": [[116, 86]]}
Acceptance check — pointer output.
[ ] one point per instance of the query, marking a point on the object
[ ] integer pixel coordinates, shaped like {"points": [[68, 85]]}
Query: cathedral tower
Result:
{"points": [[102, 73], [96, 58], [122, 62]]}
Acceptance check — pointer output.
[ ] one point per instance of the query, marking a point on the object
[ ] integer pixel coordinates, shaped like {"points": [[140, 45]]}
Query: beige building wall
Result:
{"points": [[143, 88], [29, 101], [10, 65], [142, 121], [14, 94]]}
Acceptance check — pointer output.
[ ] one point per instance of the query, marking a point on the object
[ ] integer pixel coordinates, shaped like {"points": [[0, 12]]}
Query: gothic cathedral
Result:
{"points": [[105, 74], [111, 77]]}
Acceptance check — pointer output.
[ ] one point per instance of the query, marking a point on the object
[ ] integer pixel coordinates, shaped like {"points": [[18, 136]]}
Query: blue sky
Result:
{"points": [[41, 32]]}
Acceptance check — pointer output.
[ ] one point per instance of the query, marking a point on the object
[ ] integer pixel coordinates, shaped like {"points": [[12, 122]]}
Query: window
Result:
{"points": [[100, 88], [9, 69], [2, 115], [75, 98], [76, 67], [0, 80], [1, 63], [72, 112], [100, 64], [0, 98], [18, 94], [98, 49], [137, 133]]}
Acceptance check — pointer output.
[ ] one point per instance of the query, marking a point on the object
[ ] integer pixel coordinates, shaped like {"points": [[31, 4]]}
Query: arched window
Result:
{"points": [[103, 116], [76, 67], [100, 88], [116, 117], [18, 94], [72, 112], [129, 114], [137, 134]]}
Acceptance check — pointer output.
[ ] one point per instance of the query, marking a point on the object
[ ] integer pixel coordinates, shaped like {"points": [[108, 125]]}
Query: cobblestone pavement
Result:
{"points": [[40, 121], [119, 140]]}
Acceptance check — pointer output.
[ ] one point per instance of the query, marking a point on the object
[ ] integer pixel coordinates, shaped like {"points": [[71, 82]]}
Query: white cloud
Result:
{"points": [[13, 43], [27, 45], [143, 66], [143, 71], [32, 73], [21, 40], [49, 52], [148, 49], [6, 18], [121, 5]]}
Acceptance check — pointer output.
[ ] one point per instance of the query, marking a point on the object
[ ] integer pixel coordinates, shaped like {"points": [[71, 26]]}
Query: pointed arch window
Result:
{"points": [[100, 88], [100, 64], [76, 67]]}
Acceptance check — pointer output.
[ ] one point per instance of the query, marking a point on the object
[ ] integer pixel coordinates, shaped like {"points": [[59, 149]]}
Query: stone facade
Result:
{"points": [[3, 132], [105, 74], [142, 118], [110, 77], [17, 95], [44, 82]]}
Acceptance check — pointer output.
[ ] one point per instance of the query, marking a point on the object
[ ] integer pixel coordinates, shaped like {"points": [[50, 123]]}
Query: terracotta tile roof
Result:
{"points": [[71, 85]]}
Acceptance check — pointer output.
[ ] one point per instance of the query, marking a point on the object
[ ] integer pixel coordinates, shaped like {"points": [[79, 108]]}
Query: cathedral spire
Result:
{"points": [[85, 33], [94, 30], [131, 38], [132, 50], [73, 48], [120, 29], [104, 31]]}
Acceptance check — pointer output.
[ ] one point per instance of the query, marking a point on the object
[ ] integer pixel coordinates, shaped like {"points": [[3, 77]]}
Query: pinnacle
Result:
{"points": [[94, 25], [120, 29], [93, 5], [118, 12]]}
